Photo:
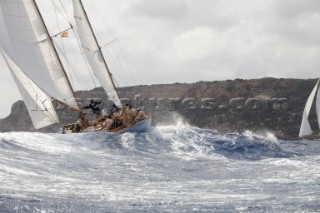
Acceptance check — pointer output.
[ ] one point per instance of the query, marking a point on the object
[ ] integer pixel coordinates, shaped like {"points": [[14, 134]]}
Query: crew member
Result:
{"points": [[94, 107], [107, 124], [140, 116], [114, 109], [131, 113], [82, 123]]}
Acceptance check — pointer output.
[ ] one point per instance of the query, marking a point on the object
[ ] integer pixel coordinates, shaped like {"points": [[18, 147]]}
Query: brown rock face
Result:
{"points": [[267, 104]]}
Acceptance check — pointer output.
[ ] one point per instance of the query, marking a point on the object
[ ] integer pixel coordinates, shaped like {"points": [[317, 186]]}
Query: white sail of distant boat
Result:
{"points": [[35, 62], [305, 129]]}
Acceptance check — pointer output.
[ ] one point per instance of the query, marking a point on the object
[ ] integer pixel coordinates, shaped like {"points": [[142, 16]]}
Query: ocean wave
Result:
{"points": [[174, 166], [181, 140]]}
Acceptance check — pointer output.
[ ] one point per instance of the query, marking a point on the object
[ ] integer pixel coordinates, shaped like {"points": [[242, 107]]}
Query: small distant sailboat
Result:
{"points": [[36, 62], [305, 129]]}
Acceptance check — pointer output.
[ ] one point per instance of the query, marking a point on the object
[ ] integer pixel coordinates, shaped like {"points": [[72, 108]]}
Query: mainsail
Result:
{"points": [[32, 57], [32, 49], [93, 52], [305, 128]]}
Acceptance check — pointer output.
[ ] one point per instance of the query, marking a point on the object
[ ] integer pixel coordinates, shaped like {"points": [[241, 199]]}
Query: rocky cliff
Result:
{"points": [[267, 104]]}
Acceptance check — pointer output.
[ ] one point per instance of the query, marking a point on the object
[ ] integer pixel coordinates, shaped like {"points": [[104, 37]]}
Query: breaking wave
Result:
{"points": [[172, 168], [179, 140]]}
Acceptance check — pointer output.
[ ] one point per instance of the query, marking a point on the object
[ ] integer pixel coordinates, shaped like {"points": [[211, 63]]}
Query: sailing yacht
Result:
{"points": [[32, 56], [305, 129]]}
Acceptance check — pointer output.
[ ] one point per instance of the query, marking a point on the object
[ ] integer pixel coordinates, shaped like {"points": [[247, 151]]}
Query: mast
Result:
{"points": [[96, 40], [54, 48]]}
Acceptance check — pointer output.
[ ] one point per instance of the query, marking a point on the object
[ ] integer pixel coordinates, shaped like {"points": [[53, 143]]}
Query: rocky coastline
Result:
{"points": [[259, 105]]}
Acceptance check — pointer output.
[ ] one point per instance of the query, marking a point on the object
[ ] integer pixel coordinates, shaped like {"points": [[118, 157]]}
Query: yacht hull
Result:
{"points": [[141, 126]]}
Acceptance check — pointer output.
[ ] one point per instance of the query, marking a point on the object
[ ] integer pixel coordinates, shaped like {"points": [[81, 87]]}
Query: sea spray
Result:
{"points": [[171, 168]]}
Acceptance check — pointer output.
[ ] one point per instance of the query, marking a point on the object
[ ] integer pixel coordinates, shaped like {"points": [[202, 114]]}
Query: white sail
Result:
{"points": [[305, 128], [93, 52], [39, 106], [318, 105], [32, 50]]}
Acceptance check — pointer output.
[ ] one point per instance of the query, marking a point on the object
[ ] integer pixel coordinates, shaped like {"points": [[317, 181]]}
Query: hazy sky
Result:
{"points": [[192, 40]]}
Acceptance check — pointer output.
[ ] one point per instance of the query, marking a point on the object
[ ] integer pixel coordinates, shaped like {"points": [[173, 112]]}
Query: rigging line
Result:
{"points": [[88, 69], [115, 52], [64, 12], [110, 64], [126, 64], [116, 65], [62, 43], [101, 33], [93, 6], [62, 32], [98, 21], [119, 64], [116, 81], [108, 43], [81, 80], [114, 61], [71, 67], [117, 61], [97, 43], [55, 51], [123, 70]]}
